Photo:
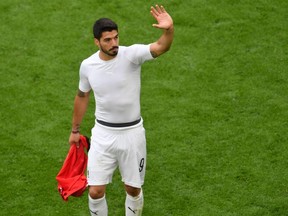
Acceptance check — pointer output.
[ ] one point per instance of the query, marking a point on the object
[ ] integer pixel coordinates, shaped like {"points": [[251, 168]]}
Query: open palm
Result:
{"points": [[162, 17]]}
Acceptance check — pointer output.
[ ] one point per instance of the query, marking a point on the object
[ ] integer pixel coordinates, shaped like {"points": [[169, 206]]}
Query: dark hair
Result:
{"points": [[102, 25]]}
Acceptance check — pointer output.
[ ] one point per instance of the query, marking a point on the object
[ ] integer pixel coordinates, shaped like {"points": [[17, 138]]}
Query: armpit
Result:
{"points": [[80, 93]]}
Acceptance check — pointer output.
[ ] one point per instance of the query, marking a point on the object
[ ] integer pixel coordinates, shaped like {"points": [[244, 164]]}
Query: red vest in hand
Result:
{"points": [[71, 178]]}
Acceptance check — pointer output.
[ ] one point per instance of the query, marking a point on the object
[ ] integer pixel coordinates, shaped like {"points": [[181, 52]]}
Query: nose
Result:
{"points": [[114, 42]]}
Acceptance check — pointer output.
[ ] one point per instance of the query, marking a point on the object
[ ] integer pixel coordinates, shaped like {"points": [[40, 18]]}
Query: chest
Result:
{"points": [[113, 77]]}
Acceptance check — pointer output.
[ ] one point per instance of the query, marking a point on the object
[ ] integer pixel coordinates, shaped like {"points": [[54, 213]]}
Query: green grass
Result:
{"points": [[215, 107]]}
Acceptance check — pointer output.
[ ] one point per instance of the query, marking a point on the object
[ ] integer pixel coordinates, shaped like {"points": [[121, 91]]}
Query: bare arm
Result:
{"points": [[80, 106], [165, 23]]}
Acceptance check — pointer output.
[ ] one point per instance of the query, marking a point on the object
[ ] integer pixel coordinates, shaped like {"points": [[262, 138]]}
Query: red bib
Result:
{"points": [[71, 178]]}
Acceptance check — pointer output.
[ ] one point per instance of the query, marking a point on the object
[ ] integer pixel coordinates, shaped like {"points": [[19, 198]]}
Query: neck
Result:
{"points": [[103, 56]]}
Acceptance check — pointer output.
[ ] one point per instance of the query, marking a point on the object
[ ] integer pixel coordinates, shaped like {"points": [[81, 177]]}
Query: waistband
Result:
{"points": [[119, 125]]}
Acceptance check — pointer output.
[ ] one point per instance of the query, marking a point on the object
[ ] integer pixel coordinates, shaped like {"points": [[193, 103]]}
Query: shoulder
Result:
{"points": [[137, 47], [134, 48], [137, 53], [88, 63], [91, 59]]}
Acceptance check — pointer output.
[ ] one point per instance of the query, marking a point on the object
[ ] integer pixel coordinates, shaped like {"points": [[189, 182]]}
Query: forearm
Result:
{"points": [[80, 106], [164, 43], [164, 22]]}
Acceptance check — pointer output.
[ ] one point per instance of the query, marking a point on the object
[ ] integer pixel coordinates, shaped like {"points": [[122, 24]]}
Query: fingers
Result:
{"points": [[162, 9], [157, 10], [77, 144], [154, 12], [74, 143], [74, 139]]}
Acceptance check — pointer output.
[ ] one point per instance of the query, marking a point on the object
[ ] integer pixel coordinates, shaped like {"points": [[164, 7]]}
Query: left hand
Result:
{"points": [[162, 17], [74, 139]]}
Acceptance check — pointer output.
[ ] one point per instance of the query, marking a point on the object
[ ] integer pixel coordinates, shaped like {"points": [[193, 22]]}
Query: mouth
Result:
{"points": [[114, 49]]}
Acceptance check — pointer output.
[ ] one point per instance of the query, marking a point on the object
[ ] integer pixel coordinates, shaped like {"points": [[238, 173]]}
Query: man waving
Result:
{"points": [[118, 136]]}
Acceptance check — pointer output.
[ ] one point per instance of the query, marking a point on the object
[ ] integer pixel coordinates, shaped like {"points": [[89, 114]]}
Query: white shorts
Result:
{"points": [[117, 147]]}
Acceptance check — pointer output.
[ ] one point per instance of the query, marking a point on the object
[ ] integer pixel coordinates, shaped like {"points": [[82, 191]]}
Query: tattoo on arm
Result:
{"points": [[76, 128], [80, 93], [154, 54]]}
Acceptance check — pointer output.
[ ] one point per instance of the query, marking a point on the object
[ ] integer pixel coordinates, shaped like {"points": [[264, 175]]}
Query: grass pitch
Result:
{"points": [[215, 107]]}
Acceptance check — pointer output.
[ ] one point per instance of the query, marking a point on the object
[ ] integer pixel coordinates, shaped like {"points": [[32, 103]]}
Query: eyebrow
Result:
{"points": [[111, 37]]}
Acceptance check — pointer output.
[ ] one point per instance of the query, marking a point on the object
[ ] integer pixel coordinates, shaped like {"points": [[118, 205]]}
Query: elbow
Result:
{"points": [[159, 48]]}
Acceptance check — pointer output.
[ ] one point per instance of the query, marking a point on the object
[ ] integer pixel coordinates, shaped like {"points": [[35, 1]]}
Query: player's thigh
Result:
{"points": [[132, 163], [101, 162]]}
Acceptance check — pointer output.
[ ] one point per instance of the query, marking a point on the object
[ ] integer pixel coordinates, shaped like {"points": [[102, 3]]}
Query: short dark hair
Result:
{"points": [[102, 25]]}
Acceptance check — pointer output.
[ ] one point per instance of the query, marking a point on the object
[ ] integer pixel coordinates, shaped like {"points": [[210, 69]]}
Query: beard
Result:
{"points": [[111, 52]]}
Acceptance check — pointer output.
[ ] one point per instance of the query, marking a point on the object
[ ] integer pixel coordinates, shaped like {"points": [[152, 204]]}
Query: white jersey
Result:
{"points": [[115, 83]]}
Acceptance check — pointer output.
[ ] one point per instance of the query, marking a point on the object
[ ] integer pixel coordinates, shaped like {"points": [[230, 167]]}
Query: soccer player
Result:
{"points": [[118, 137]]}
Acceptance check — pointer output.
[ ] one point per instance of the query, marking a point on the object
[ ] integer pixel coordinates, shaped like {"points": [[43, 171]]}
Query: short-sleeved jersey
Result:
{"points": [[115, 83]]}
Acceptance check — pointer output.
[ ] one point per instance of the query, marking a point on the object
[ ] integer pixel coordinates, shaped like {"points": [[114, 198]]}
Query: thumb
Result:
{"points": [[155, 25]]}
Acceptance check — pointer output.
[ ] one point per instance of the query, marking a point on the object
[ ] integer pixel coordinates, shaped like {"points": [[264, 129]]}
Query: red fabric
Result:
{"points": [[71, 178]]}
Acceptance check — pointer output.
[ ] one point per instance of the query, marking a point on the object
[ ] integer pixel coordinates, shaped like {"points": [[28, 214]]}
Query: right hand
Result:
{"points": [[74, 139]]}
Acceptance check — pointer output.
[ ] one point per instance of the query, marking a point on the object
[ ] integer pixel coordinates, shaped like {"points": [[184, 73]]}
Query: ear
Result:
{"points": [[97, 42]]}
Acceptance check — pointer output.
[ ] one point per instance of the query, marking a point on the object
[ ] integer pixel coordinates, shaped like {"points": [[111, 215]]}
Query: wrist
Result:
{"points": [[170, 28], [75, 128], [75, 131]]}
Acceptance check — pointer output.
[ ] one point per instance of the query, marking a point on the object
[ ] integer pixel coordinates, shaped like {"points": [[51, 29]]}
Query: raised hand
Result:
{"points": [[162, 17]]}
